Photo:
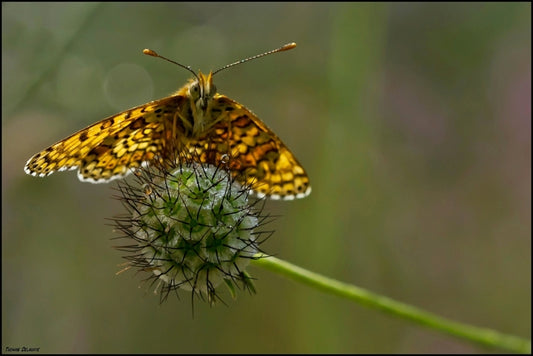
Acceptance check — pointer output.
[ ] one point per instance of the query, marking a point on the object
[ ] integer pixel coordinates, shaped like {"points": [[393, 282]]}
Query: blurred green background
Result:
{"points": [[413, 121]]}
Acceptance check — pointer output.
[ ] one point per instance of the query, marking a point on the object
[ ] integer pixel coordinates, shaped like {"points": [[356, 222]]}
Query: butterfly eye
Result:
{"points": [[195, 88]]}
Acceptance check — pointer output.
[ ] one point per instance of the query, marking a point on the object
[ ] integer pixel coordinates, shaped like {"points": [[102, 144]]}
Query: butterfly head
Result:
{"points": [[201, 90]]}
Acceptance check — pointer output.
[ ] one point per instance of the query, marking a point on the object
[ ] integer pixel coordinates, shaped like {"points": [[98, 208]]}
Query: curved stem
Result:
{"points": [[483, 336]]}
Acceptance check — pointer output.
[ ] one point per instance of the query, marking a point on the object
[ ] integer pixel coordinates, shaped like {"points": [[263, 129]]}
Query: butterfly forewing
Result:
{"points": [[256, 156], [107, 149]]}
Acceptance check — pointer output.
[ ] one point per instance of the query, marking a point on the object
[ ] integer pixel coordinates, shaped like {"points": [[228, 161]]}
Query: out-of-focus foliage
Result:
{"points": [[412, 120]]}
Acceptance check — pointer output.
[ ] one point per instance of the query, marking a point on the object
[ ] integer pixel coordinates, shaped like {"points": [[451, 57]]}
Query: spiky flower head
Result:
{"points": [[193, 228]]}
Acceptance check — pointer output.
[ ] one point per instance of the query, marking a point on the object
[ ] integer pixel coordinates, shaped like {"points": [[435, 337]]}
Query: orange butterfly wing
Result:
{"points": [[255, 154], [107, 149]]}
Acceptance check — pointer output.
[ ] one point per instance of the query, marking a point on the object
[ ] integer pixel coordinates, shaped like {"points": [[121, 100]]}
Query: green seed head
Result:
{"points": [[193, 226]]}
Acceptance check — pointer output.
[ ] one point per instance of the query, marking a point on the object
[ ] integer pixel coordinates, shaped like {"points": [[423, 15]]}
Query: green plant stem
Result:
{"points": [[483, 336]]}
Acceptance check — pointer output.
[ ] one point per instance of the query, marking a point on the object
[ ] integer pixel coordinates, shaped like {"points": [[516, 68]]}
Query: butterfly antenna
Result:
{"points": [[281, 49], [155, 54]]}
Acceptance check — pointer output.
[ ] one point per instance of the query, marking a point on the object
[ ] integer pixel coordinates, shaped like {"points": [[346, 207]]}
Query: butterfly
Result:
{"points": [[196, 123]]}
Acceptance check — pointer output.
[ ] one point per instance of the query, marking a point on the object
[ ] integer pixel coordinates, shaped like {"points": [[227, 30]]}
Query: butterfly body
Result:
{"points": [[195, 123]]}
